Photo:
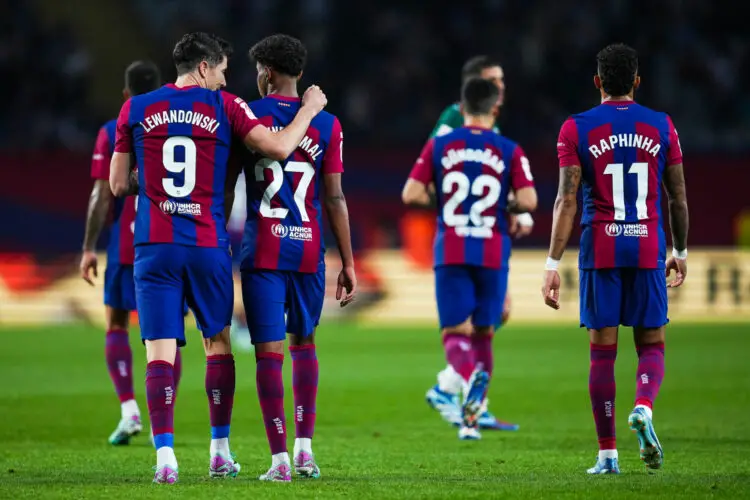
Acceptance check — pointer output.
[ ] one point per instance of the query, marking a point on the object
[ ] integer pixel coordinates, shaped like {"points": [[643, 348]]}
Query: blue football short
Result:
{"points": [[119, 287], [474, 292], [623, 296], [270, 294], [168, 275]]}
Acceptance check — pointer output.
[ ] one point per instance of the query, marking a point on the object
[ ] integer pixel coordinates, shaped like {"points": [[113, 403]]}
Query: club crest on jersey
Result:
{"points": [[170, 207], [632, 230]]}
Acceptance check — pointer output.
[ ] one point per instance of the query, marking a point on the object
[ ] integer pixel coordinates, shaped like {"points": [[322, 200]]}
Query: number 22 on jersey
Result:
{"points": [[277, 181], [473, 224]]}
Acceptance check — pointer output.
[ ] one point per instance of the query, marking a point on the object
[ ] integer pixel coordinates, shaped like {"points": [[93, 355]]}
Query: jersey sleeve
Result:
{"points": [[422, 169], [567, 144], [520, 170], [102, 155], [449, 119], [123, 136], [674, 153], [333, 161], [241, 118]]}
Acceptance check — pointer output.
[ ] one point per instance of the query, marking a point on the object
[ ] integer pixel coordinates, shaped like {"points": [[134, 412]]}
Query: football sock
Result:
{"points": [[302, 444], [650, 374], [482, 345], [220, 382], [120, 364], [602, 392], [449, 381], [160, 395], [270, 385], [177, 370], [279, 458], [458, 352], [305, 386]]}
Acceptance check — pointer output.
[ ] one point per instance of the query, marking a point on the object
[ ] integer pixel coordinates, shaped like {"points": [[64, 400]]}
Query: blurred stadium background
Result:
{"points": [[388, 76], [389, 68]]}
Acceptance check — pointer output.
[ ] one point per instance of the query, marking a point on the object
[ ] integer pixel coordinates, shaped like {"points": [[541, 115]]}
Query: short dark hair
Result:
{"points": [[617, 65], [282, 53], [142, 77], [196, 47], [474, 66], [478, 96]]}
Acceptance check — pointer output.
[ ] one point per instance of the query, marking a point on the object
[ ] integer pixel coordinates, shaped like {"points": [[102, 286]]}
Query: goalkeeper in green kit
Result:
{"points": [[445, 395]]}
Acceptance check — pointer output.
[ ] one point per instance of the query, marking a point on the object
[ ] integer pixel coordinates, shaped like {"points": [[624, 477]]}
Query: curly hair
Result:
{"points": [[282, 53], [617, 65]]}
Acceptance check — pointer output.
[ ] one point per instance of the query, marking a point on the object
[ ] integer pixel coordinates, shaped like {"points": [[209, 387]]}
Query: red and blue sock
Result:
{"points": [[602, 390], [270, 385], [220, 384], [160, 395], [650, 373], [120, 363], [459, 354], [305, 386]]}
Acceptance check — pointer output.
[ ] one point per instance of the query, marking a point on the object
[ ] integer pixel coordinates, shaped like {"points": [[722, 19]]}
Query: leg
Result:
{"points": [[452, 284], [159, 292], [264, 297], [601, 293], [209, 292], [119, 300], [305, 304], [646, 310], [489, 295]]}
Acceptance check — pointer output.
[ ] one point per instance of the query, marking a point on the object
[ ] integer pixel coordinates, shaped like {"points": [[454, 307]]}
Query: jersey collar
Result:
{"points": [[283, 98]]}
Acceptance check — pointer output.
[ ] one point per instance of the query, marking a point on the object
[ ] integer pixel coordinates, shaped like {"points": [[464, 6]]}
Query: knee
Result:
{"points": [[276, 347], [218, 344], [117, 319], [299, 340], [465, 328], [483, 331]]}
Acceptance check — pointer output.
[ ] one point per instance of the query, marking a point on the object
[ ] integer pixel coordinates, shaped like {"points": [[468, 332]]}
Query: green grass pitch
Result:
{"points": [[376, 437]]}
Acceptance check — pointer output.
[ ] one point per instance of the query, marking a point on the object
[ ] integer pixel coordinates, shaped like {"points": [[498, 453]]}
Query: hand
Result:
{"points": [[680, 268], [88, 265], [520, 225], [551, 289], [347, 281], [314, 98]]}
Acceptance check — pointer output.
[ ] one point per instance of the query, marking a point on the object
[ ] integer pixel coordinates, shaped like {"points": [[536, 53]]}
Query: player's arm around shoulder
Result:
{"points": [[279, 145]]}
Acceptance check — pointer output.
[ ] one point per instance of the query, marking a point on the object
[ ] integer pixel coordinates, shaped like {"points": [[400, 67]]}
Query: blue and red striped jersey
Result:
{"points": [[622, 149], [120, 248], [473, 170], [283, 229], [181, 138]]}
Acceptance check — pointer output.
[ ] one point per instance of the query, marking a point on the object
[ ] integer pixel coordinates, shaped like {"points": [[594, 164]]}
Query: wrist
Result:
{"points": [[679, 254], [551, 264]]}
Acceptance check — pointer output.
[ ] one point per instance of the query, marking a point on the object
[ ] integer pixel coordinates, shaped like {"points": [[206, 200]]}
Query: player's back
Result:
{"points": [[623, 149], [474, 169], [284, 218], [181, 138]]}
